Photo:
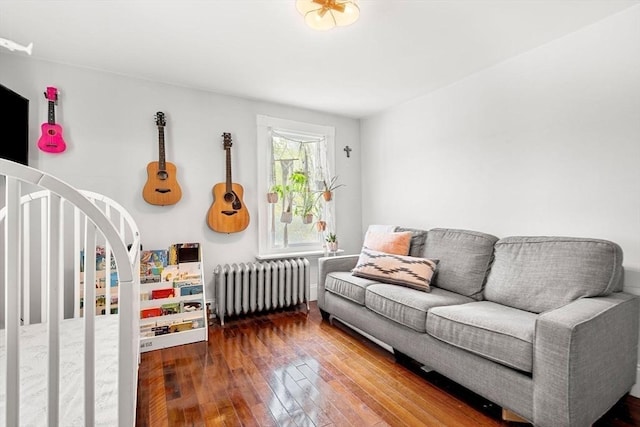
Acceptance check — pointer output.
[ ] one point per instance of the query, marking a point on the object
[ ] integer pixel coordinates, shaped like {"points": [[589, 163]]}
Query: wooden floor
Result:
{"points": [[291, 369]]}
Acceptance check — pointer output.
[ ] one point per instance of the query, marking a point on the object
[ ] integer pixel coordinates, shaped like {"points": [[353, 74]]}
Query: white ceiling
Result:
{"points": [[261, 49]]}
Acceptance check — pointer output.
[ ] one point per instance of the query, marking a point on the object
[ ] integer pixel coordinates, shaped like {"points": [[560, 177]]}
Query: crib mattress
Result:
{"points": [[33, 373]]}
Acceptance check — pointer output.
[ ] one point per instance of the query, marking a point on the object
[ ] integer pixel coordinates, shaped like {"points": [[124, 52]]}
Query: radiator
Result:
{"points": [[260, 286]]}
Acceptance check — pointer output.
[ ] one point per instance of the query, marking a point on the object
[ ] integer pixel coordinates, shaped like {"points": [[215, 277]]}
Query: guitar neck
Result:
{"points": [[52, 113], [229, 188], [162, 164]]}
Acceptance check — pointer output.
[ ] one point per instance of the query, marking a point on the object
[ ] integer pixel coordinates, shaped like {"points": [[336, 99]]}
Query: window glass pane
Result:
{"points": [[297, 167], [293, 164]]}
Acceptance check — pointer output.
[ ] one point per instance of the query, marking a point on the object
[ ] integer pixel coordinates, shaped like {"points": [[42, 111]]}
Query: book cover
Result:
{"points": [[162, 293], [169, 273], [153, 262], [184, 252], [191, 290], [171, 308], [189, 306], [100, 259]]}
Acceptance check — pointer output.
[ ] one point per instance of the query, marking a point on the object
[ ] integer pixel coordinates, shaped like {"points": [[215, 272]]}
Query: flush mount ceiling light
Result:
{"points": [[326, 14]]}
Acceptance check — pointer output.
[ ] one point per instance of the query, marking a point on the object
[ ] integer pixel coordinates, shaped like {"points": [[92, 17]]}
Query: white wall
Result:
{"points": [[109, 126], [546, 143]]}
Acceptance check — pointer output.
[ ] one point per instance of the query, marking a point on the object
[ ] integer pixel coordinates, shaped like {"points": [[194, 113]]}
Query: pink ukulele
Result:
{"points": [[51, 138]]}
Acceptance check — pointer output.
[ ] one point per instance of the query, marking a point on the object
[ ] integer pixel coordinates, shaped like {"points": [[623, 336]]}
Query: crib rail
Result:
{"points": [[96, 220]]}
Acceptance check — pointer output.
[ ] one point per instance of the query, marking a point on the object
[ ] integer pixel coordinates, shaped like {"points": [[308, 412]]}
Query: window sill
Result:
{"points": [[318, 254]]}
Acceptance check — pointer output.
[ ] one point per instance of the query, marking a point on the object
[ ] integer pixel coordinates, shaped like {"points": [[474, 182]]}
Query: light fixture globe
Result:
{"points": [[326, 14]]}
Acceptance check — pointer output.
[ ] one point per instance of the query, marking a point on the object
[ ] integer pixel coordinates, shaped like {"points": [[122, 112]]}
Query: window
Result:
{"points": [[294, 161]]}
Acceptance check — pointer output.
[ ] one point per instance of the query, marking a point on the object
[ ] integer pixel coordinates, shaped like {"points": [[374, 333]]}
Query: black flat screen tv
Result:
{"points": [[14, 139]]}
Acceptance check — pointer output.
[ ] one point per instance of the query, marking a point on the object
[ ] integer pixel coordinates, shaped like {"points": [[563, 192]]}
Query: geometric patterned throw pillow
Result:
{"points": [[396, 269]]}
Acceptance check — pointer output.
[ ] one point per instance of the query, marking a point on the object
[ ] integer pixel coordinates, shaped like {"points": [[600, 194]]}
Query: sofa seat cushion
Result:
{"points": [[408, 306], [500, 333], [344, 284]]}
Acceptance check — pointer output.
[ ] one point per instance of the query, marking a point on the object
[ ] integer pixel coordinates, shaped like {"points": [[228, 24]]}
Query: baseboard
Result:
{"points": [[635, 390]]}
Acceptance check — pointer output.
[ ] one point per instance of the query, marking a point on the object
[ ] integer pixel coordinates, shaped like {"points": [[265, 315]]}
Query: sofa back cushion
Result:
{"points": [[464, 258], [543, 273]]}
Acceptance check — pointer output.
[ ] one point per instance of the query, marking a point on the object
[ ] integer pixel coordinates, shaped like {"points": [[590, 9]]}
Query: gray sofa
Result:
{"points": [[538, 325]]}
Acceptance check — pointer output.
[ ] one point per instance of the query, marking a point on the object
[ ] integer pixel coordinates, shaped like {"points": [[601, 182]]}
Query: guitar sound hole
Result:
{"points": [[229, 197], [163, 175], [51, 132]]}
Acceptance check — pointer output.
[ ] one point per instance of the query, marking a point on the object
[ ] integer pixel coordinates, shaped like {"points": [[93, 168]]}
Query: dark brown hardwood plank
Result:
{"points": [[375, 371], [268, 398], [210, 414], [340, 411], [279, 390], [263, 415], [290, 368], [156, 411]]}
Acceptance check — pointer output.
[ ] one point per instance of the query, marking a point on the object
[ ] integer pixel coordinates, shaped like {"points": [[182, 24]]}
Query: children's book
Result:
{"points": [[100, 259], [184, 252], [153, 262]]}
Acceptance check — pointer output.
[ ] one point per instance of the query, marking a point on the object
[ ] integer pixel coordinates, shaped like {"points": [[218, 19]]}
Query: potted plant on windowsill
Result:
{"points": [[330, 187], [332, 242]]}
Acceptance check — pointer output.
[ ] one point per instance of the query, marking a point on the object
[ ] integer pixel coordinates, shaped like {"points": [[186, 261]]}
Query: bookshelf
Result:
{"points": [[172, 297], [106, 291]]}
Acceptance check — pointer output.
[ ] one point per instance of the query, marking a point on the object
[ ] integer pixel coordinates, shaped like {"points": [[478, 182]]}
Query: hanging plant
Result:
{"points": [[307, 219], [308, 207], [286, 217], [275, 192], [298, 180], [321, 225], [272, 197], [330, 187]]}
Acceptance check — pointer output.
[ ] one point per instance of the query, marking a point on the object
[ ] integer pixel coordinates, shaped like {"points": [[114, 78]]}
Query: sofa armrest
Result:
{"points": [[328, 265], [585, 356]]}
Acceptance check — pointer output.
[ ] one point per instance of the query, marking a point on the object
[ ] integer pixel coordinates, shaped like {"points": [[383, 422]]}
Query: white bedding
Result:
{"points": [[33, 373]]}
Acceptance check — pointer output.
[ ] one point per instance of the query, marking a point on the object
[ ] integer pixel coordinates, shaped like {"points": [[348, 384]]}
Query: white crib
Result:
{"points": [[62, 363]]}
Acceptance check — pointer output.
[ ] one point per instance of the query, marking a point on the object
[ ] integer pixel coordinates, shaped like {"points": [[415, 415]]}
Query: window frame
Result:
{"points": [[265, 125]]}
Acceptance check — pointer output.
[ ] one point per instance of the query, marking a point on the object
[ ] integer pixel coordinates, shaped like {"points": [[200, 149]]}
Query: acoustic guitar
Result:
{"points": [[51, 140], [162, 187], [228, 213]]}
